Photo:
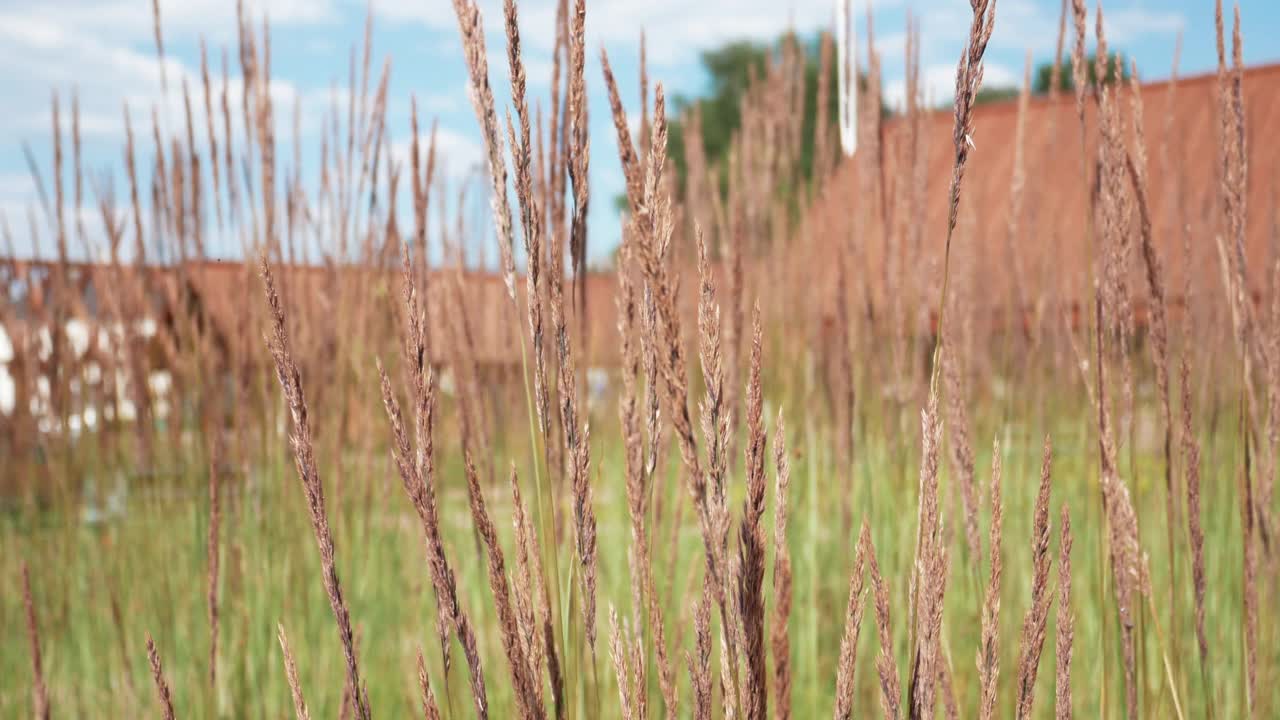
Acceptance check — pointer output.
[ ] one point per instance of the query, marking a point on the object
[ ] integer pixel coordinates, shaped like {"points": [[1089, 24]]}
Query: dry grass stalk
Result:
{"points": [[1036, 620], [578, 152], [780, 635], [752, 546], [525, 683], [988, 648], [532, 604], [626, 652], [1065, 622], [39, 694], [1055, 76], [158, 34], [531, 220], [968, 81], [430, 709], [950, 705], [961, 449], [1017, 188], [471, 28], [715, 414], [1136, 164], [1195, 531], [886, 665], [577, 453], [1233, 184], [211, 136], [304, 459], [700, 660], [654, 227], [631, 170], [847, 664], [931, 569], [1128, 571], [162, 685], [417, 473], [213, 547], [1249, 599], [643, 592], [291, 672]]}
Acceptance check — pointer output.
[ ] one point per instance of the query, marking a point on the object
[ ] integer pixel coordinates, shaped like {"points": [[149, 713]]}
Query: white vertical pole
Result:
{"points": [[846, 52]]}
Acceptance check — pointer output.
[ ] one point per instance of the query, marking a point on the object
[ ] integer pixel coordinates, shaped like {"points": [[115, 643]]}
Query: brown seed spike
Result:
{"points": [[162, 685], [1036, 620], [752, 539], [39, 694], [291, 673], [1066, 621], [988, 649]]}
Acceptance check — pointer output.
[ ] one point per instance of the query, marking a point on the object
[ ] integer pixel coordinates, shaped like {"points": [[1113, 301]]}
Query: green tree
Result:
{"points": [[729, 70], [1044, 73]]}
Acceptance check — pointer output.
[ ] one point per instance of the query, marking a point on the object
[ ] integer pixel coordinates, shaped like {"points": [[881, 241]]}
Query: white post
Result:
{"points": [[846, 53]]}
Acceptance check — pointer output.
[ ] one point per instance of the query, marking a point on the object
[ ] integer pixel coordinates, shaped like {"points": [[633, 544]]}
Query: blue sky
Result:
{"points": [[104, 50]]}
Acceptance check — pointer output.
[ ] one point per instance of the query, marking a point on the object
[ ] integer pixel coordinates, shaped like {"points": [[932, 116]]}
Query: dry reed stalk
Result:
{"points": [[291, 672], [1136, 164], [1233, 182], [700, 660], [624, 645], [430, 710], [525, 683], [213, 548], [531, 216], [735, 250], [780, 635], [1065, 622], [950, 706], [961, 449], [233, 201], [847, 665], [471, 28], [631, 170], [39, 694], [731, 688], [1035, 622], [210, 136], [968, 80], [308, 474], [417, 473], [578, 153], [162, 685], [1017, 187], [528, 589], [930, 568], [1234, 190], [577, 453], [576, 433], [886, 665], [988, 648], [1249, 593], [716, 432], [752, 547], [158, 34], [1195, 532], [654, 231], [643, 593], [1055, 76], [1128, 571]]}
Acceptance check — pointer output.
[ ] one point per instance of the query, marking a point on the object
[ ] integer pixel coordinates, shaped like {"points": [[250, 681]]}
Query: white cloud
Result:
{"points": [[131, 20], [1126, 24], [938, 84]]}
